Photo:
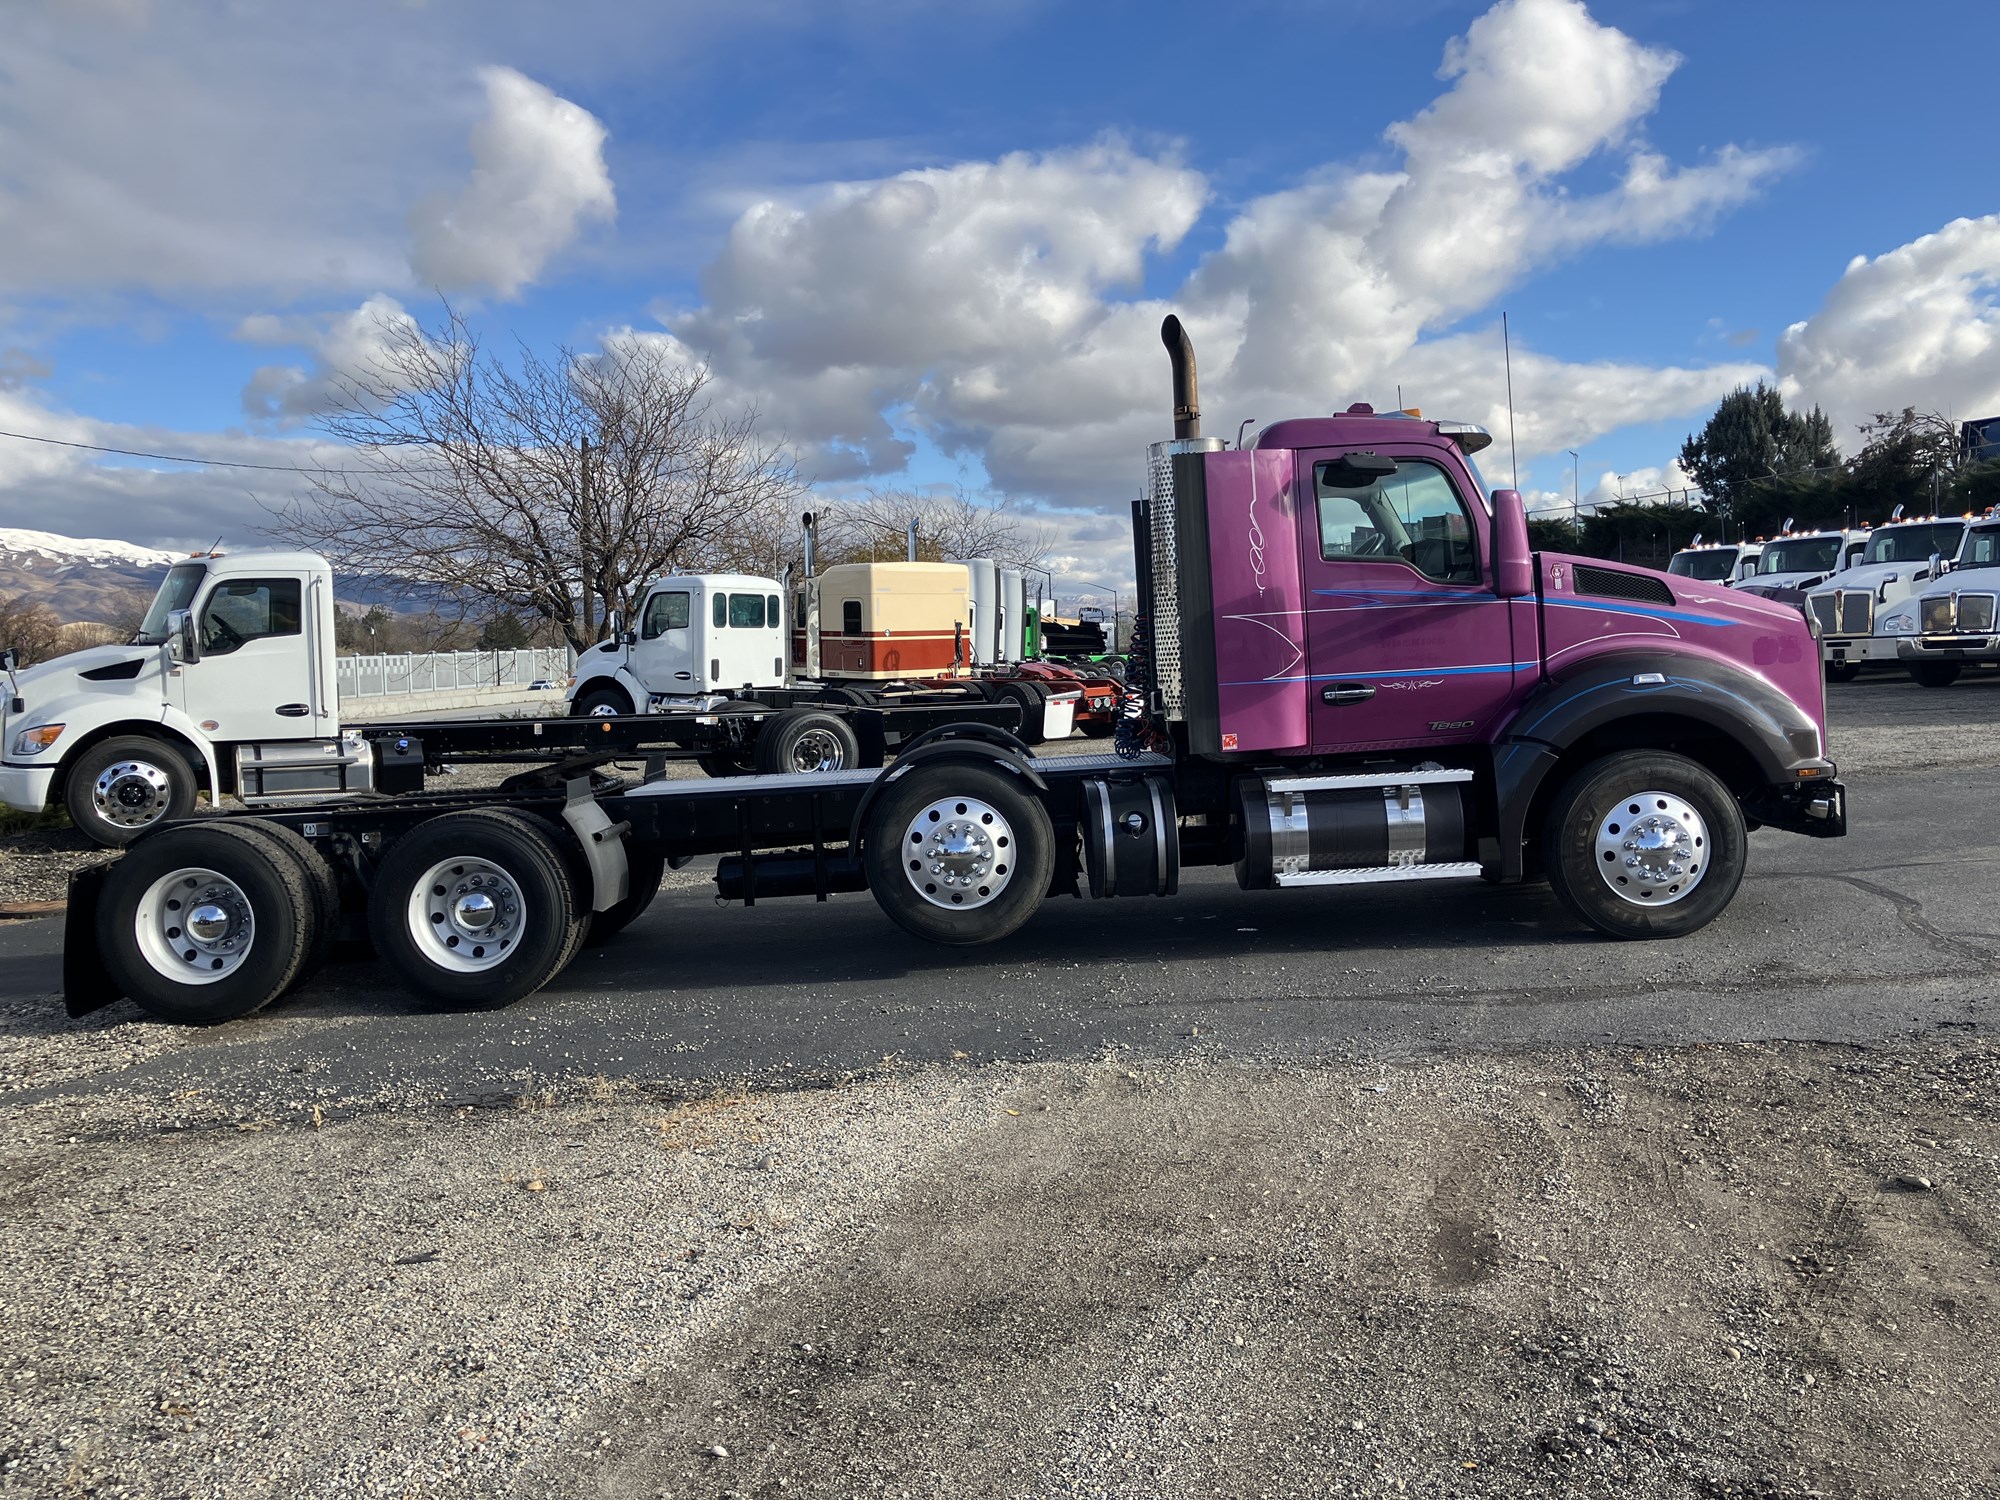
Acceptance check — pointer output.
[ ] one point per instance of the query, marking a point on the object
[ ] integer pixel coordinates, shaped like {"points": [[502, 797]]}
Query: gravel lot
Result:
{"points": [[1167, 1269]]}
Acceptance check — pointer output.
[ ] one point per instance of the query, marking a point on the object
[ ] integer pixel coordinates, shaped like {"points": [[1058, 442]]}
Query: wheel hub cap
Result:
{"points": [[466, 914], [958, 852], [1652, 848], [131, 793], [194, 926], [817, 750]]}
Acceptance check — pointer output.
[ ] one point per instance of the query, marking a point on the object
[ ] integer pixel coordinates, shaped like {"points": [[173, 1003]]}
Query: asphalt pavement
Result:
{"points": [[1887, 932]]}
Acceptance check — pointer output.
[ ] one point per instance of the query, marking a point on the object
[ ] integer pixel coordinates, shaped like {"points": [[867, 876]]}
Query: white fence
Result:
{"points": [[414, 672]]}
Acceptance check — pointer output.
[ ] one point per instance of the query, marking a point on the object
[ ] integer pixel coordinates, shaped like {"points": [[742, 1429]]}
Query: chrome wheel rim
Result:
{"points": [[958, 853], [466, 914], [602, 711], [818, 750], [131, 794], [1652, 849], [194, 925]]}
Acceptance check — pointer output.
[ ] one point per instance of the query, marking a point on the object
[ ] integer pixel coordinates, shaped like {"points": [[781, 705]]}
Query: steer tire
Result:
{"points": [[648, 867], [148, 955], [420, 877], [1935, 674], [1654, 790], [806, 741], [600, 700], [1020, 860], [160, 788]]}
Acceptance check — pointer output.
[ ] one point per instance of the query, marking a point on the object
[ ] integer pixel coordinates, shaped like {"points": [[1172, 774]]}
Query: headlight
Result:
{"points": [[35, 741], [1900, 623]]}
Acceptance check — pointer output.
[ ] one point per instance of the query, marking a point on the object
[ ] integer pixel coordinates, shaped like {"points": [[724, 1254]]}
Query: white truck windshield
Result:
{"points": [[176, 592], [1711, 565], [1805, 554], [1915, 543]]}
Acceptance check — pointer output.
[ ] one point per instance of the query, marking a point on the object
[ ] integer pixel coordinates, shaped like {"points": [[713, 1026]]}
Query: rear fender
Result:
{"points": [[995, 747]]}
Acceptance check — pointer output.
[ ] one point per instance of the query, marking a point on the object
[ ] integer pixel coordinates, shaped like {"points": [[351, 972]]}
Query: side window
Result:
{"points": [[720, 614], [1413, 516], [664, 612], [777, 614], [746, 611], [248, 609], [850, 617]]}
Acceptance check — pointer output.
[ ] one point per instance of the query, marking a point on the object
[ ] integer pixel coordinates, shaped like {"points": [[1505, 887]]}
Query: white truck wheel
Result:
{"points": [[119, 788]]}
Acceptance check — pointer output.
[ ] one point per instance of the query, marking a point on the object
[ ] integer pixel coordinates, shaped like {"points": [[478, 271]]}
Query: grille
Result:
{"points": [[1609, 583], [1975, 613], [1857, 611], [1825, 610], [1937, 614], [1166, 565]]}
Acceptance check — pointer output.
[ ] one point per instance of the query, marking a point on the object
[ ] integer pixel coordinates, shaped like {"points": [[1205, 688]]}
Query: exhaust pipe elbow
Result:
{"points": [[1187, 398]]}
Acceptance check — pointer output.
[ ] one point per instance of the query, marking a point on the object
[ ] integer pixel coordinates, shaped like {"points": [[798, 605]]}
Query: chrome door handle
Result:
{"points": [[1346, 692]]}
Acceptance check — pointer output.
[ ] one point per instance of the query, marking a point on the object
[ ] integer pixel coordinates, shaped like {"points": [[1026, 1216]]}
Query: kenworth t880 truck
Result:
{"points": [[1349, 669]]}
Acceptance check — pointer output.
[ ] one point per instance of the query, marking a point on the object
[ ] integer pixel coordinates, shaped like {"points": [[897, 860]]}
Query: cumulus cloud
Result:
{"points": [[1917, 326], [992, 306], [342, 346], [538, 176]]}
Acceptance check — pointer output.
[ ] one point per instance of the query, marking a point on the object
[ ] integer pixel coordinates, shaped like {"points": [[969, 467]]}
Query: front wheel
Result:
{"points": [[119, 788], [601, 700], [1645, 844], [1935, 673], [475, 908], [959, 853]]}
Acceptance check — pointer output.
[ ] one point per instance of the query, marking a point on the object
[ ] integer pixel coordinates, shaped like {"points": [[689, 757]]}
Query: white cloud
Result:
{"points": [[1918, 326], [343, 346], [989, 304], [538, 175]]}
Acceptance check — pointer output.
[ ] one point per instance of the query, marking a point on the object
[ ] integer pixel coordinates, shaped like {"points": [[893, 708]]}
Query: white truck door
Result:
{"points": [[255, 677], [665, 659], [747, 641]]}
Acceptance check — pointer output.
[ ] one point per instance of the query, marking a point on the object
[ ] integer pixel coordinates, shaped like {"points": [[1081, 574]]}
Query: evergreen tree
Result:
{"points": [[1750, 439]]}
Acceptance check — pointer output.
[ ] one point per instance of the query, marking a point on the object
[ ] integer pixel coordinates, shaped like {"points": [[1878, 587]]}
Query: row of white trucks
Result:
{"points": [[1919, 592]]}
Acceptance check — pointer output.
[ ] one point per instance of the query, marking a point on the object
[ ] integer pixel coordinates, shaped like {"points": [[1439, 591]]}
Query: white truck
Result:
{"points": [[1726, 563], [1794, 561], [1956, 624], [1854, 608], [228, 686]]}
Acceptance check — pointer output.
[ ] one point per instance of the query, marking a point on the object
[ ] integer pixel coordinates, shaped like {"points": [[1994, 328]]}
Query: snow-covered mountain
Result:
{"points": [[23, 548], [80, 578]]}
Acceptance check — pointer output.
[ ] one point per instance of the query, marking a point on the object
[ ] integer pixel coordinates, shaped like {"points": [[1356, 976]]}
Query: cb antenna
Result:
{"points": [[1507, 351]]}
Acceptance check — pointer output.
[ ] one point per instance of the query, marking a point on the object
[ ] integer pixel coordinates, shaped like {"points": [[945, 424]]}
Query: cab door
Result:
{"points": [[1406, 643], [664, 656], [254, 680]]}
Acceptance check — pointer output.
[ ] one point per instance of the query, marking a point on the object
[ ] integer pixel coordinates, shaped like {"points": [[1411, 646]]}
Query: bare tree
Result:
{"points": [[950, 524], [554, 486], [31, 628]]}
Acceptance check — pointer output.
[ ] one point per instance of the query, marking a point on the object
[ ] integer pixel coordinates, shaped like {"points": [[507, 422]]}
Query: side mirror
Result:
{"points": [[1513, 558], [182, 641], [614, 625], [8, 661], [1940, 565]]}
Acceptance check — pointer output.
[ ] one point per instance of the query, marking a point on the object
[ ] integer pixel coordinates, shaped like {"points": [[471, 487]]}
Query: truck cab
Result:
{"points": [[1727, 563], [1955, 622], [697, 639], [227, 686], [1854, 608], [1794, 561]]}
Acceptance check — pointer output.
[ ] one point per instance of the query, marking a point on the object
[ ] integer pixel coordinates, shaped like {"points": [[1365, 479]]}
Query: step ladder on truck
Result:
{"points": [[1349, 669]]}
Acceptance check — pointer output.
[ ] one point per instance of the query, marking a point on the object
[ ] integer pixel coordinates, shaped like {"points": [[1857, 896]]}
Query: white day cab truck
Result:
{"points": [[229, 687], [1726, 563], [1956, 623], [1860, 610], [1794, 561]]}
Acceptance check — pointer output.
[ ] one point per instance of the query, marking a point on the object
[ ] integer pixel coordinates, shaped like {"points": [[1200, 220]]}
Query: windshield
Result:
{"points": [[1914, 543], [1805, 554], [177, 592], [1711, 565]]}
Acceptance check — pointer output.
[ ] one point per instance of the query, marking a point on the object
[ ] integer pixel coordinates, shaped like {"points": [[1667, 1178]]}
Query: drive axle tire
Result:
{"points": [[322, 887], [121, 787], [1935, 674], [475, 909], [959, 853], [1842, 671], [1645, 844], [806, 741], [205, 924], [1032, 701]]}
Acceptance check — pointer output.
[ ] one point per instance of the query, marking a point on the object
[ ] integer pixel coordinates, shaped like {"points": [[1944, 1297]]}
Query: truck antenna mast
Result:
{"points": [[1507, 352]]}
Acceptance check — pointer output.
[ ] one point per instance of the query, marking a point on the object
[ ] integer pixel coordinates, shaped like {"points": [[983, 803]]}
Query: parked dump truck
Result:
{"points": [[228, 687], [1349, 669]]}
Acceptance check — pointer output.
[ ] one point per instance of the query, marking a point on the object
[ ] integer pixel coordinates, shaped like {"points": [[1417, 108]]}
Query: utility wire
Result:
{"points": [[168, 458]]}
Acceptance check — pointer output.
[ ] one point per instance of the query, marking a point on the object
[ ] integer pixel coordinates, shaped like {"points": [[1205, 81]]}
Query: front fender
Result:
{"points": [[1779, 737]]}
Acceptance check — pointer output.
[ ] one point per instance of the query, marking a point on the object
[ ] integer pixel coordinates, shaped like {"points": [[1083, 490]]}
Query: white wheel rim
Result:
{"points": [[602, 710], [194, 926], [131, 794], [958, 853], [466, 915], [818, 750], [1652, 849]]}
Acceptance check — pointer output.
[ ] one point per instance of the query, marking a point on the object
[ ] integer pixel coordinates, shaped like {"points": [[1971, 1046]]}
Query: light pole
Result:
{"points": [[1575, 485]]}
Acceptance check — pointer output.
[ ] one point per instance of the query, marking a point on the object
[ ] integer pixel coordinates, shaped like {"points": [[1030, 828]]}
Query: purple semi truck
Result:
{"points": [[1349, 668]]}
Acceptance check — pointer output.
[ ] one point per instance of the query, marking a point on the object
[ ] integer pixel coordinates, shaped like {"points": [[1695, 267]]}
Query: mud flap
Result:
{"points": [[87, 984]]}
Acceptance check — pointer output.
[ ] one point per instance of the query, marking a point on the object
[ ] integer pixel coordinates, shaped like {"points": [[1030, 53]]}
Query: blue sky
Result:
{"points": [[1653, 190]]}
